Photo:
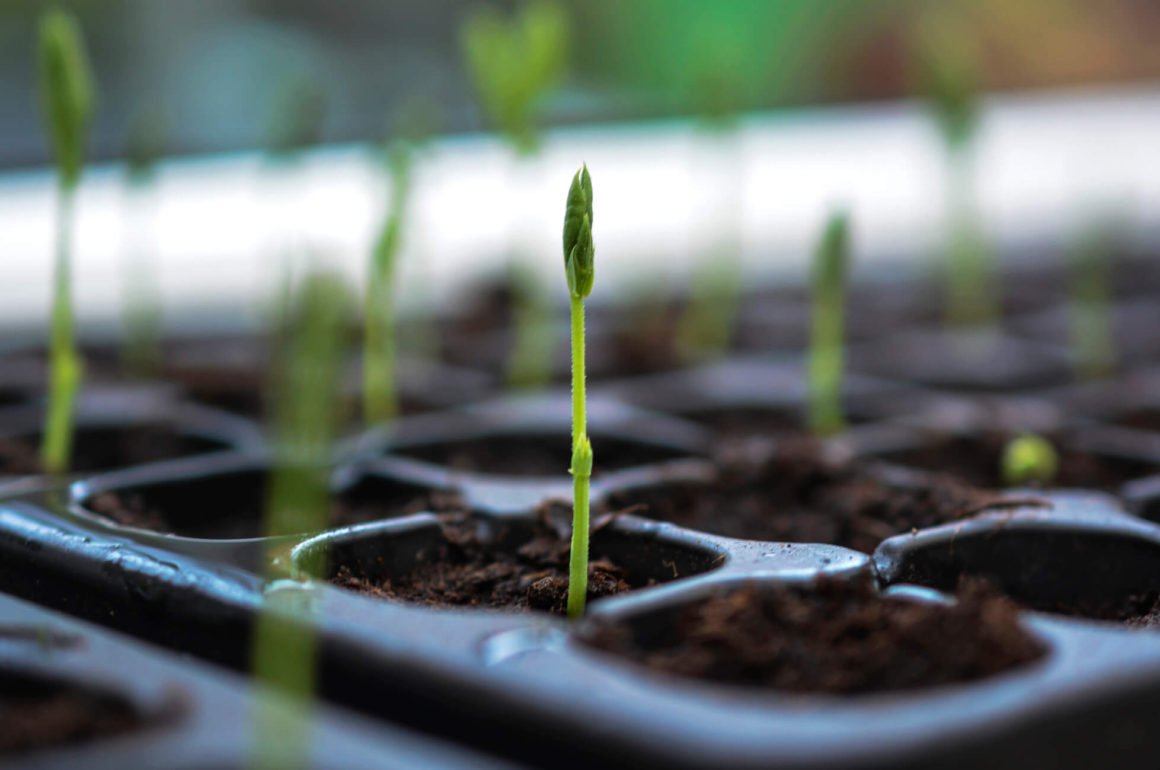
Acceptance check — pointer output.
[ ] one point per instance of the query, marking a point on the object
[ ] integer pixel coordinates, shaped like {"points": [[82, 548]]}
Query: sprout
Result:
{"points": [[380, 397], [1092, 338], [306, 409], [530, 364], [1029, 459], [831, 264], [514, 63], [949, 78], [67, 98], [141, 314], [296, 117], [579, 269]]}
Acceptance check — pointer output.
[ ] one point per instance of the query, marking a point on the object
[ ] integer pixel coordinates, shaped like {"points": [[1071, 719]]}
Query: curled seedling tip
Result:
{"points": [[67, 92], [1029, 459], [579, 252]]}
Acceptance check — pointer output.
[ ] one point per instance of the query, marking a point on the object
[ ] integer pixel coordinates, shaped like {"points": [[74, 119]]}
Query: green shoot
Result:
{"points": [[513, 63], [1092, 337], [67, 97], [950, 80], [706, 326], [530, 364], [141, 315], [380, 396], [296, 117], [579, 269], [1029, 459], [831, 265], [297, 501]]}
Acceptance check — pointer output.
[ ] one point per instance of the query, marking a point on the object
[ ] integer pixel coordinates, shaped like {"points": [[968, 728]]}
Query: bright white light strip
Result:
{"points": [[660, 189]]}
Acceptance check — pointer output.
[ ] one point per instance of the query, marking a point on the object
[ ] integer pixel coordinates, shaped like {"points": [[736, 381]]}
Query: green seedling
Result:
{"points": [[296, 117], [579, 256], [530, 364], [831, 265], [1029, 459], [380, 395], [141, 315], [1093, 340], [67, 96], [306, 399], [513, 63], [950, 80]]}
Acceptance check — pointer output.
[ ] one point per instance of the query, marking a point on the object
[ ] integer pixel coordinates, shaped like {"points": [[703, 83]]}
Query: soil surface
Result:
{"points": [[836, 637], [536, 455], [796, 496], [36, 714], [977, 460], [103, 449], [509, 570], [235, 509]]}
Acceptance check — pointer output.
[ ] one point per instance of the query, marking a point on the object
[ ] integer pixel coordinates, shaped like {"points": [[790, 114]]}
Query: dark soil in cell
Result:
{"points": [[39, 714], [798, 497], [836, 637], [506, 570], [976, 460], [107, 448], [536, 455], [1138, 419], [232, 505]]}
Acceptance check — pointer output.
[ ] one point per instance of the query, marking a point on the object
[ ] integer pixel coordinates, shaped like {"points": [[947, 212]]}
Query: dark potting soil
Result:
{"points": [[976, 460], [796, 496], [232, 505], [834, 637], [37, 714], [506, 569], [102, 449], [536, 455], [1138, 419]]}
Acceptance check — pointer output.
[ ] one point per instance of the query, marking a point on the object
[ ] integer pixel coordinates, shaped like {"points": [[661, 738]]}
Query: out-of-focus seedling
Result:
{"points": [[514, 63], [306, 401], [1093, 340], [831, 265], [380, 394], [579, 261], [141, 313], [1029, 459], [722, 79], [67, 96], [949, 78]]}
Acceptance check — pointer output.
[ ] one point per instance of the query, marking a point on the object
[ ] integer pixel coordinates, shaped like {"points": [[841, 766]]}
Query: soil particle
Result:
{"points": [[507, 570], [835, 637], [797, 496]]}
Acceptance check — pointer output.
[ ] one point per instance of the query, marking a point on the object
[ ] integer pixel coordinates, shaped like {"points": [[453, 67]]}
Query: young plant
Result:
{"points": [[1029, 459], [579, 269], [67, 97], [380, 396], [513, 64], [831, 264], [950, 80], [141, 314], [306, 407], [1093, 340]]}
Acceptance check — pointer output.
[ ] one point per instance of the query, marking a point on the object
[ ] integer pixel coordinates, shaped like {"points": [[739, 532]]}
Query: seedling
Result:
{"points": [[950, 80], [141, 316], [297, 501], [514, 63], [579, 269], [1092, 338], [831, 264], [1029, 459], [67, 97], [380, 396]]}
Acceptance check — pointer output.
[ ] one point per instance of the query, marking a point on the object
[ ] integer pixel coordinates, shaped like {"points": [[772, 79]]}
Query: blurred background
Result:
{"points": [[820, 103]]}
